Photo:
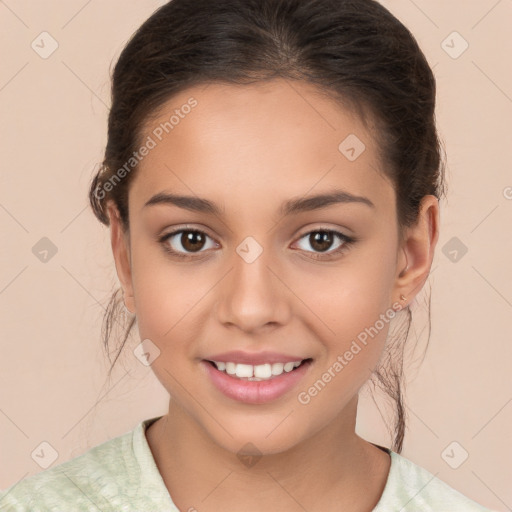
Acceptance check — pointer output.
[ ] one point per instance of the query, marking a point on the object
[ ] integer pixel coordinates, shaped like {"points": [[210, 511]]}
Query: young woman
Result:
{"points": [[271, 182]]}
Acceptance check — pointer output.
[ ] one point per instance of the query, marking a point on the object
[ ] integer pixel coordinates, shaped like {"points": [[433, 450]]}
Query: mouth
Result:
{"points": [[256, 384], [257, 373]]}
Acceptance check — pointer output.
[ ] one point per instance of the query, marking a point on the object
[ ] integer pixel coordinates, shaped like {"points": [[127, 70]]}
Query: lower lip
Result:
{"points": [[255, 392]]}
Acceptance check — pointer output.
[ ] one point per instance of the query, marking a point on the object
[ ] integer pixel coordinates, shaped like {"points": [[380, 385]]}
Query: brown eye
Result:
{"points": [[322, 241], [192, 240], [185, 242]]}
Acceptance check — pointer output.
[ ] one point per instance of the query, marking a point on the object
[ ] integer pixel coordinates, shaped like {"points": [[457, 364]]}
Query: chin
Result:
{"points": [[256, 437]]}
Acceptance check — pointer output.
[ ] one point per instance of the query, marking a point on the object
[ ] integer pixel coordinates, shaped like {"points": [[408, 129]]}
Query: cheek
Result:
{"points": [[351, 306], [350, 296], [355, 318], [165, 294]]}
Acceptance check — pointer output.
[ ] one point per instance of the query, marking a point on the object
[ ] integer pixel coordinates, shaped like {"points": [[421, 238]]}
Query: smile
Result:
{"points": [[255, 384], [255, 372]]}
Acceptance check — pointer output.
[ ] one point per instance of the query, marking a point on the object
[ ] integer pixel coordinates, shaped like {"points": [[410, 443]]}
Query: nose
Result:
{"points": [[253, 296]]}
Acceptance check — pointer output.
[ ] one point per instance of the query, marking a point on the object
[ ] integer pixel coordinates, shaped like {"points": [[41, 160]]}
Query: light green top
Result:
{"points": [[121, 475]]}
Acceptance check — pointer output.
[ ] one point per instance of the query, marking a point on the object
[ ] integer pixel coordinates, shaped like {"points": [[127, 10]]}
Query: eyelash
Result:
{"points": [[347, 242]]}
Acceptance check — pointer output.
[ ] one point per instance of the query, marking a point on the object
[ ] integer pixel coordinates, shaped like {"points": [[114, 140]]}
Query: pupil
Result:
{"points": [[322, 240]]}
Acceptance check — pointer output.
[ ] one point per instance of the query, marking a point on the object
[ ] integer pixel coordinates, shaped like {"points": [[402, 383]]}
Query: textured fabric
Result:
{"points": [[411, 488], [121, 475]]}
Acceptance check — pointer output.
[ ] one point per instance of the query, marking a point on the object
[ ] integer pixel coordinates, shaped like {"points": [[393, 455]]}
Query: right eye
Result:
{"points": [[190, 240]]}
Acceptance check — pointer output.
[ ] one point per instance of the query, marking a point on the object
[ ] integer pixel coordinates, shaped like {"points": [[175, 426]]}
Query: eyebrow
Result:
{"points": [[303, 204]]}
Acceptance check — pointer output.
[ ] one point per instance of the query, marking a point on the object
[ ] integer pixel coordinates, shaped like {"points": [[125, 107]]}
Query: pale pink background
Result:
{"points": [[53, 131]]}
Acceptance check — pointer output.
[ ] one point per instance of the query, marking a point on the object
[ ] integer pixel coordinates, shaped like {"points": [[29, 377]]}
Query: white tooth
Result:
{"points": [[244, 370], [288, 367], [263, 371], [255, 373], [277, 368]]}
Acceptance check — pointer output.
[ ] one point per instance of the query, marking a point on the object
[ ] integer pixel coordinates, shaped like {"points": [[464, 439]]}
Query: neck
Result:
{"points": [[332, 467]]}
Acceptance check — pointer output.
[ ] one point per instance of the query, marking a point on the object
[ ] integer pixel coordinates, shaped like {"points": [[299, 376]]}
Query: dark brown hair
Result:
{"points": [[356, 51]]}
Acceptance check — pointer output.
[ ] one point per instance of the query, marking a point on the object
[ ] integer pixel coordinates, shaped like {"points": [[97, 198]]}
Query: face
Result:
{"points": [[261, 270]]}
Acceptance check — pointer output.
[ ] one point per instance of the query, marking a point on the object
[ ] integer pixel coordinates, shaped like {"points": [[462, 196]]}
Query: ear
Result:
{"points": [[417, 251], [121, 250]]}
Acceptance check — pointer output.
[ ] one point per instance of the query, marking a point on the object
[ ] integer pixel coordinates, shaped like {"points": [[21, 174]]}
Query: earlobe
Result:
{"points": [[121, 252], [418, 247]]}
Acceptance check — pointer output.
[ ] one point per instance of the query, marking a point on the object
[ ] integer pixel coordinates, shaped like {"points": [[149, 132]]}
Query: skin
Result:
{"points": [[248, 149]]}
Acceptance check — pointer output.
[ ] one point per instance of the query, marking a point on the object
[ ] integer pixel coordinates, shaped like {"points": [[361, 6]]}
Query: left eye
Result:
{"points": [[322, 239]]}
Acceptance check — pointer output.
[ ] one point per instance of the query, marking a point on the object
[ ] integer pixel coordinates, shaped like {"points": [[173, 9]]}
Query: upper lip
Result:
{"points": [[254, 358]]}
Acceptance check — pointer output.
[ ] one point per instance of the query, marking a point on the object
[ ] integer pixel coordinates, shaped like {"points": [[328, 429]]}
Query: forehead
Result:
{"points": [[266, 139]]}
